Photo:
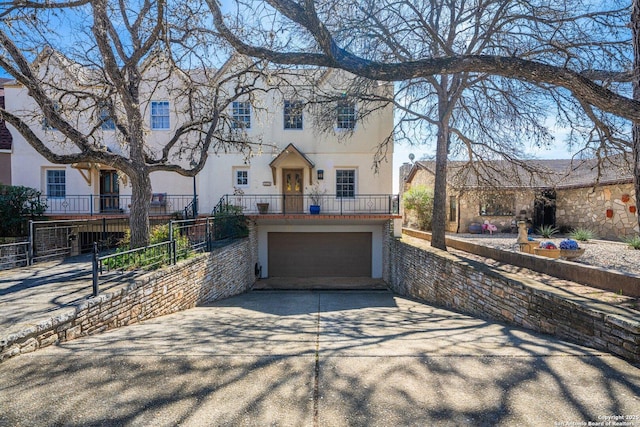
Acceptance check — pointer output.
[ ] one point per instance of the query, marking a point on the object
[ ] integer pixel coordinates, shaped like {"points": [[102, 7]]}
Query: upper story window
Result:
{"points": [[160, 115], [56, 183], [497, 204], [241, 178], [241, 112], [106, 121], [346, 183], [293, 114], [346, 115]]}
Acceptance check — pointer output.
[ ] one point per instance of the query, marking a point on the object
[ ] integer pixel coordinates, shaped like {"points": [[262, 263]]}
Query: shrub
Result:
{"points": [[149, 258], [633, 242], [18, 204], [420, 200], [547, 231], [229, 222], [582, 234]]}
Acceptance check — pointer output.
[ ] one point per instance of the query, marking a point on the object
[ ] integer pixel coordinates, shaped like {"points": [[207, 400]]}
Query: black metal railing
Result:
{"points": [[185, 238], [331, 204], [96, 204]]}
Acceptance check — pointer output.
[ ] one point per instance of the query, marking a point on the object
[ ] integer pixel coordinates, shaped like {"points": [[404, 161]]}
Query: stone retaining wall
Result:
{"points": [[441, 278], [222, 273], [624, 283]]}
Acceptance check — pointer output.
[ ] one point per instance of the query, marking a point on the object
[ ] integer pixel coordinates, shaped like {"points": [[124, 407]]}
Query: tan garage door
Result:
{"points": [[319, 254]]}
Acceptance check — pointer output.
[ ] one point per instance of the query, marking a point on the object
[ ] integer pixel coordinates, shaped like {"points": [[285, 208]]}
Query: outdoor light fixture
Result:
{"points": [[320, 174]]}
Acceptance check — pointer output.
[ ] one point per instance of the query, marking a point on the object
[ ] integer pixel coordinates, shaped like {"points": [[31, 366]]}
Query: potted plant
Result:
{"points": [[569, 249], [548, 249], [315, 194], [263, 207]]}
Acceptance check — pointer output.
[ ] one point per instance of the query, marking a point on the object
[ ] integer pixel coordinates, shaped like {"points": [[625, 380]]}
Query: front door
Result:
{"points": [[109, 191], [292, 191], [545, 209]]}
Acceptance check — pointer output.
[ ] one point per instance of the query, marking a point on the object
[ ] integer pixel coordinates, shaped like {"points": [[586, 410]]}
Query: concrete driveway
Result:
{"points": [[317, 358]]}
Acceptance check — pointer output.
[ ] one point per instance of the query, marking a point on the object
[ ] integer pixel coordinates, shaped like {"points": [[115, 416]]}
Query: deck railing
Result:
{"points": [[331, 204], [96, 204]]}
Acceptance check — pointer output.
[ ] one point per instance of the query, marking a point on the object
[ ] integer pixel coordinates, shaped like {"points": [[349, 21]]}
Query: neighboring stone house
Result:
{"points": [[569, 194], [295, 161], [5, 143]]}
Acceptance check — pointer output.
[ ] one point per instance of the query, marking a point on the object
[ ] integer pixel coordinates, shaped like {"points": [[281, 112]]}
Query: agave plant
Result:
{"points": [[547, 231], [634, 241], [582, 234]]}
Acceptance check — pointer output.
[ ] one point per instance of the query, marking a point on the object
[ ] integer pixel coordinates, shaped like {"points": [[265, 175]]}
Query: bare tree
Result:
{"points": [[482, 74], [85, 63], [635, 30]]}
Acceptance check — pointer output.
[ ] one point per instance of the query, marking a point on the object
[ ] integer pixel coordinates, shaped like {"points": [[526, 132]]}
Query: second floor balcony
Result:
{"points": [[117, 204], [329, 204]]}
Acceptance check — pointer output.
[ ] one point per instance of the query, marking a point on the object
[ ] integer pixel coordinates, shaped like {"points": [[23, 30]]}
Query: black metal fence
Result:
{"points": [[185, 238]]}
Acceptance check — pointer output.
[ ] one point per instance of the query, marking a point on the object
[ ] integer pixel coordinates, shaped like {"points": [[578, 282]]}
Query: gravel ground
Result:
{"points": [[601, 253]]}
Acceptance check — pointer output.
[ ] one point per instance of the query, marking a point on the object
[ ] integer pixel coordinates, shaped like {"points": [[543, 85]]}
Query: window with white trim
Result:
{"points": [[56, 183], [241, 178], [346, 115], [241, 112], [160, 117], [293, 114], [345, 183], [106, 121]]}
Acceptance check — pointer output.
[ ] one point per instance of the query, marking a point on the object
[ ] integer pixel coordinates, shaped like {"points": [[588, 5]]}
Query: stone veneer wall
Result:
{"points": [[586, 208], [441, 278], [208, 277]]}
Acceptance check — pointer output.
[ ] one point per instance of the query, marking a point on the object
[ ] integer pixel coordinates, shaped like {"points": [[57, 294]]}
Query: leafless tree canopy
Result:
{"points": [[85, 63], [483, 78]]}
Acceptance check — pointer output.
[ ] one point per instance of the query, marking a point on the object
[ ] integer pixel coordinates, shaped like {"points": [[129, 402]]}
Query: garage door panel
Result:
{"points": [[319, 254]]}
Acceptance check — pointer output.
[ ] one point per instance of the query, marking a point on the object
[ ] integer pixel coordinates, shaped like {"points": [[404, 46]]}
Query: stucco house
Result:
{"points": [[297, 158], [568, 194]]}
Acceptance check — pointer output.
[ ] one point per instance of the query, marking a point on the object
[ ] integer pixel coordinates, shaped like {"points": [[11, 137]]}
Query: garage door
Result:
{"points": [[319, 254]]}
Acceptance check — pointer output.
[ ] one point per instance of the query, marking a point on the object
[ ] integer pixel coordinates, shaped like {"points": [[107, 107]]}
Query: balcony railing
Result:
{"points": [[95, 204], [330, 204]]}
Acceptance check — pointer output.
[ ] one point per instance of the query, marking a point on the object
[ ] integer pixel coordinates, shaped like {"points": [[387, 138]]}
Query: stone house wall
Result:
{"points": [[208, 277], [469, 206], [587, 208], [442, 278]]}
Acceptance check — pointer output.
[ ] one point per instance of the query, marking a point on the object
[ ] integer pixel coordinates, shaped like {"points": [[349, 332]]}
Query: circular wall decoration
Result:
{"points": [[632, 209], [625, 198], [609, 213]]}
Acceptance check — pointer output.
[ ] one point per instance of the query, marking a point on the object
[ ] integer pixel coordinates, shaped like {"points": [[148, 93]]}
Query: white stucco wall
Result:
{"points": [[328, 151]]}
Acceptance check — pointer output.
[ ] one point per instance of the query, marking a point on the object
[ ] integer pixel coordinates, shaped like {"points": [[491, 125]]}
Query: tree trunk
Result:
{"points": [[439, 221], [140, 203], [635, 37]]}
